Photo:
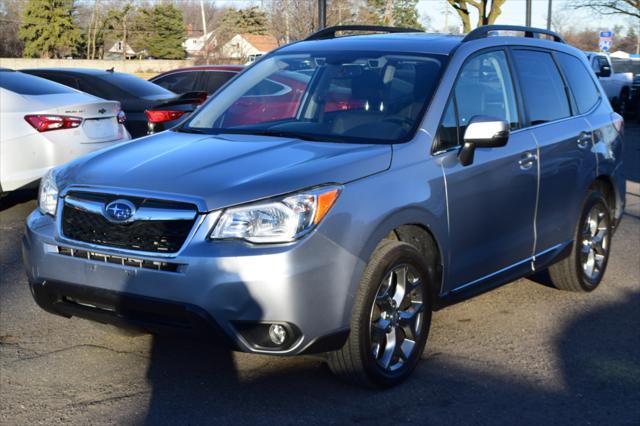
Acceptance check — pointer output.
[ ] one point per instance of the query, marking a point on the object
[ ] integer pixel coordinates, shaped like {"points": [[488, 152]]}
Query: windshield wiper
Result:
{"points": [[192, 130], [281, 134]]}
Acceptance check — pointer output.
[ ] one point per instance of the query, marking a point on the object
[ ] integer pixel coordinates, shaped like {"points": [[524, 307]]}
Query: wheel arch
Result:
{"points": [[419, 228], [605, 184]]}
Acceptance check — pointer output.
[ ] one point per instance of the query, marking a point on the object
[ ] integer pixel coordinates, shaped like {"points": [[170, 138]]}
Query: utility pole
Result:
{"points": [[204, 18], [205, 44], [322, 14], [549, 12], [528, 17]]}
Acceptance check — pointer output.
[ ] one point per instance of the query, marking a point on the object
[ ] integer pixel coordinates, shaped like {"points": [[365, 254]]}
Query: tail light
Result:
{"points": [[45, 123], [160, 116], [122, 117]]}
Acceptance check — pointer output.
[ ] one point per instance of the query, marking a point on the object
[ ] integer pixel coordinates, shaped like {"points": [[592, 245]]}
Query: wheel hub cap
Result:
{"points": [[595, 242], [396, 317]]}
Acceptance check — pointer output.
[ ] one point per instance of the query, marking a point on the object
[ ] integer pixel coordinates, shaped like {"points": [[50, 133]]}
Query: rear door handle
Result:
{"points": [[584, 139], [527, 160]]}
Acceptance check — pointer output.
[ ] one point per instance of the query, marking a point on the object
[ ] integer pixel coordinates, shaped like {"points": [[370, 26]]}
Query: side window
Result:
{"points": [[448, 133], [582, 85], [181, 82], [213, 80], [543, 89], [484, 87]]}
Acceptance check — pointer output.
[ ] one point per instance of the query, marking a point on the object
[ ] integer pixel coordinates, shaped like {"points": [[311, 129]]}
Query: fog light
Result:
{"points": [[277, 334]]}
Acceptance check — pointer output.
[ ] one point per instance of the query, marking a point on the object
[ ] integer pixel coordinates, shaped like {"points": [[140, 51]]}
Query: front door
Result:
{"points": [[492, 202]]}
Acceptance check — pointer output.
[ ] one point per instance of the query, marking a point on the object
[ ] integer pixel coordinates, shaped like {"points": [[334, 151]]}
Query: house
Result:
{"points": [[244, 46], [197, 46], [117, 50]]}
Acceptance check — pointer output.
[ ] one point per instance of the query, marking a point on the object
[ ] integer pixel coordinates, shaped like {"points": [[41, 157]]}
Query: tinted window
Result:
{"points": [[135, 86], [484, 87], [355, 97], [213, 80], [542, 86], [25, 84], [582, 85], [179, 82], [62, 79]]}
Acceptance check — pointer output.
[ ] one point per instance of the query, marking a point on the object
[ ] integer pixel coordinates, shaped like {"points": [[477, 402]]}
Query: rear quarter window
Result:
{"points": [[580, 81], [542, 86], [25, 84]]}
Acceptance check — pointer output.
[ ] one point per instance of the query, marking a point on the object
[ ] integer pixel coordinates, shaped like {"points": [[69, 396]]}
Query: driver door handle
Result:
{"points": [[527, 160]]}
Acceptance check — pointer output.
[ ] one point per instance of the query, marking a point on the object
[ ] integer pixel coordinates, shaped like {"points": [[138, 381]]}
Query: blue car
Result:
{"points": [[402, 173]]}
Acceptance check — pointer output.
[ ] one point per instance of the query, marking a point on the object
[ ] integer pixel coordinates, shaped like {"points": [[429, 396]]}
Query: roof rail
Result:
{"points": [[330, 32], [482, 32]]}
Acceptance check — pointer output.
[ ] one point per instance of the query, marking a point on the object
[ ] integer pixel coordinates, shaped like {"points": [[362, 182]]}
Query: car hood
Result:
{"points": [[222, 170]]}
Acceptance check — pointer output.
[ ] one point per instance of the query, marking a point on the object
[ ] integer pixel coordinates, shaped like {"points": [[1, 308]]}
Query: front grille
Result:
{"points": [[162, 236], [120, 260]]}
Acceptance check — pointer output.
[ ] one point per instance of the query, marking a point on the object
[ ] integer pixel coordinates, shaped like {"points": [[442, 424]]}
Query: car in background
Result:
{"points": [[135, 94], [204, 78], [45, 124], [617, 85]]}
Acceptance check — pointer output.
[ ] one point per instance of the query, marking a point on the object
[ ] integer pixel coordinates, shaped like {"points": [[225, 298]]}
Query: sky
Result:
{"points": [[513, 12]]}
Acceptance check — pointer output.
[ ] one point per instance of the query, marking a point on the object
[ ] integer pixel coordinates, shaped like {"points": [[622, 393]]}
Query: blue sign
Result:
{"points": [[606, 34]]}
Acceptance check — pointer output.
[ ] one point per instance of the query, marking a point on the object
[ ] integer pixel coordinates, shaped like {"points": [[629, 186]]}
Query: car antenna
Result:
{"points": [[111, 69]]}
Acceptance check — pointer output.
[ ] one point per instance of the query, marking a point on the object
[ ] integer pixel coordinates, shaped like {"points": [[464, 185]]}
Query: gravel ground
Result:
{"points": [[523, 354]]}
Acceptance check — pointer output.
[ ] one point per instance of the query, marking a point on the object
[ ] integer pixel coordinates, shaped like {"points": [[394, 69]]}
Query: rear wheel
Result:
{"points": [[582, 271], [390, 320]]}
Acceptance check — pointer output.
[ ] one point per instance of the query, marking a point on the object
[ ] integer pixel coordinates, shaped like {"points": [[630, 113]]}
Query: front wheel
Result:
{"points": [[582, 271], [390, 321]]}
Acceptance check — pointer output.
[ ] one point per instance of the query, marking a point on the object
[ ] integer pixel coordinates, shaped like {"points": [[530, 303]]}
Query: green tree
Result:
{"points": [[168, 31], [397, 13], [48, 29], [251, 20]]}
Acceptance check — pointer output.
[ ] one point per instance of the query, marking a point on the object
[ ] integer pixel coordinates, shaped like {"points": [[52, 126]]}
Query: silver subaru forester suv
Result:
{"points": [[339, 190]]}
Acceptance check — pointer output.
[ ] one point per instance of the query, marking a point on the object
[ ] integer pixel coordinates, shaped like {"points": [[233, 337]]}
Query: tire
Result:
{"points": [[623, 103], [378, 318], [583, 270]]}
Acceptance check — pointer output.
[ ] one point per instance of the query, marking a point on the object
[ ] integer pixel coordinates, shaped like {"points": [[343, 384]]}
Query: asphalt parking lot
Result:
{"points": [[523, 354]]}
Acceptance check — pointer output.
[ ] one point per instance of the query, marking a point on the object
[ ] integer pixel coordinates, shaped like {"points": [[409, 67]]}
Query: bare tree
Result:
{"points": [[488, 11], [609, 7]]}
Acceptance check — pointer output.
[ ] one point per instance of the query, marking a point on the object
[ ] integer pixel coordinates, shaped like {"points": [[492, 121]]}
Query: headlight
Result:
{"points": [[276, 221], [48, 196]]}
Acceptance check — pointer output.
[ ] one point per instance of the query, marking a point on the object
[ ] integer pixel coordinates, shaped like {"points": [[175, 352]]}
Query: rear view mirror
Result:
{"points": [[483, 132]]}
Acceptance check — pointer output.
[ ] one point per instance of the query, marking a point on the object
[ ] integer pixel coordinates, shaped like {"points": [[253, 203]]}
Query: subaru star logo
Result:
{"points": [[119, 210], [102, 110]]}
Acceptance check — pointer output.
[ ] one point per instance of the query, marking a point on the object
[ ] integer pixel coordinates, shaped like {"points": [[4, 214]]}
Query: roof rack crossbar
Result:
{"points": [[330, 32], [530, 32]]}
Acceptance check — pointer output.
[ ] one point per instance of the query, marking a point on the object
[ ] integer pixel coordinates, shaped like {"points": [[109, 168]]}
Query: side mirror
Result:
{"points": [[483, 132], [605, 71]]}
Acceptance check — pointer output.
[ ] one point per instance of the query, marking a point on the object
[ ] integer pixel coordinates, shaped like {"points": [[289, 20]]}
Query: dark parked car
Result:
{"points": [[135, 94], [205, 78]]}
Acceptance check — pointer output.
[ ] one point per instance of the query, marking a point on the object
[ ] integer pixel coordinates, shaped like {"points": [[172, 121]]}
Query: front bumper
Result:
{"points": [[216, 288]]}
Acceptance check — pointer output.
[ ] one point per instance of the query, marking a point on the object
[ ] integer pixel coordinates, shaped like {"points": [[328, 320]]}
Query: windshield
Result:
{"points": [[338, 96]]}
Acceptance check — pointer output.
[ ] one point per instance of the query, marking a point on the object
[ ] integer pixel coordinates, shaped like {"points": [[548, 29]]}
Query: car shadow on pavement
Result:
{"points": [[17, 197], [598, 356]]}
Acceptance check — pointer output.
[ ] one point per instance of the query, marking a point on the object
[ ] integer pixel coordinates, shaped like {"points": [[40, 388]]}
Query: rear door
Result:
{"points": [[491, 202], [566, 160]]}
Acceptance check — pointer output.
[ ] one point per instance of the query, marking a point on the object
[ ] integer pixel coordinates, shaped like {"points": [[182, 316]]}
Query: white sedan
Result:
{"points": [[44, 124]]}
